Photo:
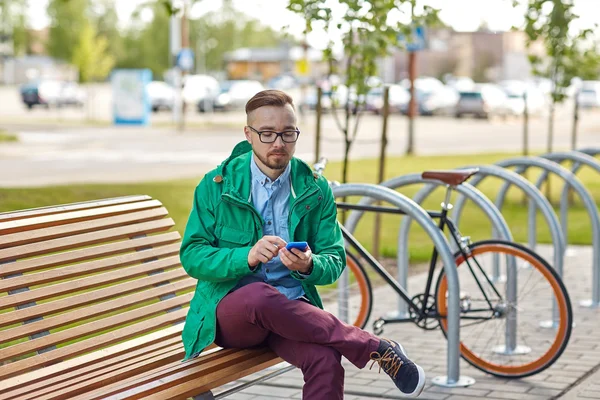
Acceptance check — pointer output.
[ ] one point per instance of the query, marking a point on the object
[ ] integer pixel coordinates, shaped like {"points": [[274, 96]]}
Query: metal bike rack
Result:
{"points": [[536, 197], [466, 189], [500, 229], [412, 209], [579, 159], [590, 151], [522, 163]]}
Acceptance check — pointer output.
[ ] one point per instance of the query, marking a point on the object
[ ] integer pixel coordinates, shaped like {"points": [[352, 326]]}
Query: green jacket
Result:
{"points": [[223, 226]]}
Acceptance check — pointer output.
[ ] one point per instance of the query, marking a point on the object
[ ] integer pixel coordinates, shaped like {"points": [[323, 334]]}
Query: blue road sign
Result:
{"points": [[185, 59], [417, 40]]}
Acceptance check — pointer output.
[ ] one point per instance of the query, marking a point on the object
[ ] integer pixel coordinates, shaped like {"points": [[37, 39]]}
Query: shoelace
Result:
{"points": [[389, 361]]}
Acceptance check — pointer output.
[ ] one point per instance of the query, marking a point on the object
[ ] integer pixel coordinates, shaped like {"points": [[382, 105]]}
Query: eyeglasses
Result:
{"points": [[289, 136]]}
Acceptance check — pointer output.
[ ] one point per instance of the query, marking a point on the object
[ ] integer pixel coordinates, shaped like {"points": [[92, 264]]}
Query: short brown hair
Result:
{"points": [[268, 98]]}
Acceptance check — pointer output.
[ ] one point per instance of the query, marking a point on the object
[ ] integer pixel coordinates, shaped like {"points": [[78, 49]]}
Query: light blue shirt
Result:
{"points": [[272, 201]]}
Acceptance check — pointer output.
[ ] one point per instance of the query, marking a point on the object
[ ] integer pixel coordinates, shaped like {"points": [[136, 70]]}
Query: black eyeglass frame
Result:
{"points": [[278, 134]]}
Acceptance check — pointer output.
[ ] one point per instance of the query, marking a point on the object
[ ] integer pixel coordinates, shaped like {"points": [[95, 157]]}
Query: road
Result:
{"points": [[49, 152]]}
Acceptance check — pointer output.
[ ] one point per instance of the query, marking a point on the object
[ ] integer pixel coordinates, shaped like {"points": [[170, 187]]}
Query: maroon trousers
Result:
{"points": [[300, 333]]}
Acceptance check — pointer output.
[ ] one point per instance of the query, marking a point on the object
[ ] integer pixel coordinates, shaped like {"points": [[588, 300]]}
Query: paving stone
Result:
{"points": [[516, 396], [428, 348], [545, 391]]}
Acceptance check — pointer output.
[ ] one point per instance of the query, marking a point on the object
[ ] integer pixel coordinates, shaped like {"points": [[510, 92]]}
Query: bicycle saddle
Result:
{"points": [[450, 177]]}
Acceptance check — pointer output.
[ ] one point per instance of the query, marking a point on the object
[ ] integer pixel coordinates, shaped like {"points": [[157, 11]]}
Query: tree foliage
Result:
{"points": [[368, 33], [227, 30], [550, 21], [67, 21], [13, 25], [90, 55]]}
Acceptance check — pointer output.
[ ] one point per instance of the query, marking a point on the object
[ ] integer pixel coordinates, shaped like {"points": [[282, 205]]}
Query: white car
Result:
{"points": [[516, 91], [199, 87], [235, 94], [589, 94], [398, 98], [161, 95]]}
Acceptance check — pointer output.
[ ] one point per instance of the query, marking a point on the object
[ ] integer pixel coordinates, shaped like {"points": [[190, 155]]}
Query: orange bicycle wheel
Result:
{"points": [[353, 303], [483, 328]]}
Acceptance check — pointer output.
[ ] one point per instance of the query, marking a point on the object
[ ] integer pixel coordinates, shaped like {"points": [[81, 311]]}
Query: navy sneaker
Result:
{"points": [[408, 376]]}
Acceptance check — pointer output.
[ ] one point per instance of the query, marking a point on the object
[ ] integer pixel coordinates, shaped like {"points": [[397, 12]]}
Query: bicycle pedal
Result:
{"points": [[378, 326]]}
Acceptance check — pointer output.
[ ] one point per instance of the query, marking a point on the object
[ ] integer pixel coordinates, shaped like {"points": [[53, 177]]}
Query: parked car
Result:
{"points": [[283, 82], [329, 98], [199, 87], [484, 101], [52, 93], [398, 98], [516, 91], [234, 94], [589, 94], [161, 94]]}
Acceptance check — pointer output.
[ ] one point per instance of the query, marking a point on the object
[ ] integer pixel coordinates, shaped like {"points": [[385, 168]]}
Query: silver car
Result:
{"points": [[484, 101]]}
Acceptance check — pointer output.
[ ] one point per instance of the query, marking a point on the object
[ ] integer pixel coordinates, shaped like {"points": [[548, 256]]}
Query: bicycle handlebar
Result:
{"points": [[320, 165]]}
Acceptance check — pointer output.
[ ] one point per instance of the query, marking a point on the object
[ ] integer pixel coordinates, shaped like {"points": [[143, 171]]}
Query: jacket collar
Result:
{"points": [[237, 176]]}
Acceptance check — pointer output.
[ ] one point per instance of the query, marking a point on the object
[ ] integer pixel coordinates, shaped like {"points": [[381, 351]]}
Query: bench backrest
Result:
{"points": [[85, 276]]}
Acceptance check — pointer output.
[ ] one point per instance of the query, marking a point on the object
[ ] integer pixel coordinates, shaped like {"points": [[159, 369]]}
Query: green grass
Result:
{"points": [[176, 195], [7, 137]]}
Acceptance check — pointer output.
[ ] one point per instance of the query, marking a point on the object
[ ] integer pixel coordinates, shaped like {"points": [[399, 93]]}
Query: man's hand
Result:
{"points": [[297, 260], [265, 249]]}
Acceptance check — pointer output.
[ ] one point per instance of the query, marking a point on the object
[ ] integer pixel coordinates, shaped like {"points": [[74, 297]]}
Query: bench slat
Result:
{"points": [[45, 221], [82, 377], [93, 311], [94, 343], [125, 349], [88, 253], [100, 377], [84, 239], [87, 268], [26, 314], [31, 212], [202, 384], [87, 283], [204, 375], [54, 232], [210, 360], [94, 327], [100, 383]]}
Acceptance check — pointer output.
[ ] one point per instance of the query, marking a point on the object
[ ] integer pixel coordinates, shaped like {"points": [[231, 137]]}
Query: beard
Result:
{"points": [[275, 163]]}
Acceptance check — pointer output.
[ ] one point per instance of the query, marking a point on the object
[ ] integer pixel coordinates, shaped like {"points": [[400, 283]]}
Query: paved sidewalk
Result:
{"points": [[576, 375], [586, 389]]}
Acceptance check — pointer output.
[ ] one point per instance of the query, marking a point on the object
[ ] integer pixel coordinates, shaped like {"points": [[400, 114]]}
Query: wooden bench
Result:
{"points": [[92, 304]]}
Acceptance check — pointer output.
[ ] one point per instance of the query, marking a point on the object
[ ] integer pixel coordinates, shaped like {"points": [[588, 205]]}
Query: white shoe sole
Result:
{"points": [[420, 384]]}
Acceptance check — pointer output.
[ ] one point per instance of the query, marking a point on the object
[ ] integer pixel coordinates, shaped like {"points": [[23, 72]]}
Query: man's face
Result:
{"points": [[278, 154]]}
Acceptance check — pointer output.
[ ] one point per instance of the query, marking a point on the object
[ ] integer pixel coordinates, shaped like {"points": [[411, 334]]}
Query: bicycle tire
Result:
{"points": [[366, 290], [563, 331]]}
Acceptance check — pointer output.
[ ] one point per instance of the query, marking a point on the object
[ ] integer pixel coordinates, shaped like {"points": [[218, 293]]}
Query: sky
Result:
{"points": [[462, 15]]}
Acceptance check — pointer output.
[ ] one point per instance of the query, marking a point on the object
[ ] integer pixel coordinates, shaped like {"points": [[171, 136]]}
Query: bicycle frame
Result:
{"points": [[420, 312]]}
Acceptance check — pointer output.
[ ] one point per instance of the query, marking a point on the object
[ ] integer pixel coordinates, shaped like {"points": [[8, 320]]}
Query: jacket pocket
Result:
{"points": [[231, 237]]}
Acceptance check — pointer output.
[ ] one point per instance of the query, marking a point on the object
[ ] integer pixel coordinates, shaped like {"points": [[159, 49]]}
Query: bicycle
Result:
{"points": [[482, 304]]}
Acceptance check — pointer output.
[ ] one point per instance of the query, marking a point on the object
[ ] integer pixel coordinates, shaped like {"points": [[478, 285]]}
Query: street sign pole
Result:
{"points": [[175, 47], [412, 105]]}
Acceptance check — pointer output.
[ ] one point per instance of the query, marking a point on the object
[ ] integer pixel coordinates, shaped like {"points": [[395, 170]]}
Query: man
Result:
{"points": [[251, 290]]}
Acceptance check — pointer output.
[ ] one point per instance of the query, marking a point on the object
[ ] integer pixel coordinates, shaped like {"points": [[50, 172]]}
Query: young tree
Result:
{"points": [[367, 34], [67, 21], [90, 55], [550, 21]]}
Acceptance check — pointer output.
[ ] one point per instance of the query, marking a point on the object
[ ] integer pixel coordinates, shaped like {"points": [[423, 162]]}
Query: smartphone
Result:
{"points": [[302, 246]]}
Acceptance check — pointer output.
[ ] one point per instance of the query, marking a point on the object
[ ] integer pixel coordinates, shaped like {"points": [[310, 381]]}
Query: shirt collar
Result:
{"points": [[259, 177]]}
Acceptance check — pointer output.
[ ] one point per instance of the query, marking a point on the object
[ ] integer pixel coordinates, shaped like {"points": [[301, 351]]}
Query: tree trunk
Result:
{"points": [[381, 169], [550, 145], [525, 140], [347, 145], [412, 105]]}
